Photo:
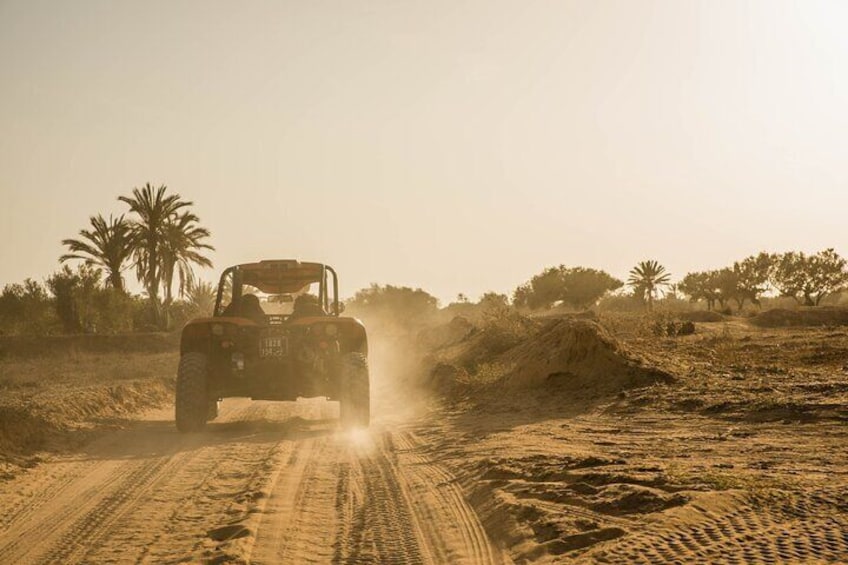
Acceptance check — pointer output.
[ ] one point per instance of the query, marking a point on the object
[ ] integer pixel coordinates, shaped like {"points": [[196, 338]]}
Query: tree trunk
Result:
{"points": [[153, 296], [167, 285], [116, 281], [166, 309]]}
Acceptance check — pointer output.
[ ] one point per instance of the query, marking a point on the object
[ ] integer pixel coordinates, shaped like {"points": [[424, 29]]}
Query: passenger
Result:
{"points": [[307, 305]]}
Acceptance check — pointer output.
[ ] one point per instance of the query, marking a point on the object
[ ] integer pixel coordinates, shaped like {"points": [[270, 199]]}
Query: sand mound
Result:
{"points": [[820, 316], [577, 354], [444, 335], [48, 419], [467, 347]]}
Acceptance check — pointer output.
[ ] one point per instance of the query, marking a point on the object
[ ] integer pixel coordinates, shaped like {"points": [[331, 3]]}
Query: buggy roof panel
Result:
{"points": [[281, 276]]}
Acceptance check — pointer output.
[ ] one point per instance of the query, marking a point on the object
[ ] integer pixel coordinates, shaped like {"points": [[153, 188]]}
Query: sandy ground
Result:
{"points": [[266, 483], [606, 486], [741, 458]]}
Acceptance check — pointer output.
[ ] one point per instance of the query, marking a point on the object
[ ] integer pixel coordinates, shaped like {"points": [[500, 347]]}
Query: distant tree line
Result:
{"points": [[578, 287], [160, 240], [393, 305], [807, 279], [582, 287]]}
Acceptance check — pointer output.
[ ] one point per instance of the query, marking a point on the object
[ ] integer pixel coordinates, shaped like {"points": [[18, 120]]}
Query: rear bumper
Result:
{"points": [[274, 379]]}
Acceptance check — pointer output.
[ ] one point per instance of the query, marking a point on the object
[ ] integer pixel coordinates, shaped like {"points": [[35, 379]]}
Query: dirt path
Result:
{"points": [[267, 483]]}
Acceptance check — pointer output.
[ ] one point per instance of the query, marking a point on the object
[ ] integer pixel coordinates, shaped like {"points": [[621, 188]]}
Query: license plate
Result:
{"points": [[272, 347]]}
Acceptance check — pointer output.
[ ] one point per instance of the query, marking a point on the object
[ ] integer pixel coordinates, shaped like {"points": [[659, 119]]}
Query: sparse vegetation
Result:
{"points": [[162, 241], [577, 287], [396, 306], [704, 286], [646, 279], [166, 239], [107, 245], [504, 327], [79, 298], [26, 309], [807, 279]]}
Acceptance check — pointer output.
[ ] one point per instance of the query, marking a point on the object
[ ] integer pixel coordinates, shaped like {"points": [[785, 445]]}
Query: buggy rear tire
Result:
{"points": [[355, 397], [212, 409], [192, 404]]}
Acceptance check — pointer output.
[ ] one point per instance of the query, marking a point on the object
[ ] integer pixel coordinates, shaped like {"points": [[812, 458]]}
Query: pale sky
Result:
{"points": [[456, 146]]}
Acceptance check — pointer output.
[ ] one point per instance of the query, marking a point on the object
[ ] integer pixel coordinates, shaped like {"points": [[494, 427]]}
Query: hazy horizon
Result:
{"points": [[457, 147]]}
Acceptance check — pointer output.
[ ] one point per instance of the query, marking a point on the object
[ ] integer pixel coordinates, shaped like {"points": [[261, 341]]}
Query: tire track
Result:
{"points": [[343, 489], [28, 535], [350, 519], [180, 509], [38, 495], [748, 533], [51, 480], [382, 504], [251, 504], [230, 488], [397, 539], [94, 525], [255, 487], [451, 518], [301, 509], [94, 496]]}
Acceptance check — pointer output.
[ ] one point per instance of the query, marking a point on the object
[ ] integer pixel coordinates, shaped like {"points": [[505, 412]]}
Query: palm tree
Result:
{"points": [[108, 245], [182, 247], [155, 210], [646, 278], [200, 296]]}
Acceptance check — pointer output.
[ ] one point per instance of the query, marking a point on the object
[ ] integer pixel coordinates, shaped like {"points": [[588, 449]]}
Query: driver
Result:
{"points": [[247, 307], [252, 309]]}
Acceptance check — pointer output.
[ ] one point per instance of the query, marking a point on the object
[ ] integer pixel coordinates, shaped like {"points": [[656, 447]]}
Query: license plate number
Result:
{"points": [[272, 347]]}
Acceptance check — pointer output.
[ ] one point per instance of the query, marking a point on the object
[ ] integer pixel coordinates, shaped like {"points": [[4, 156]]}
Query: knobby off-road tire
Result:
{"points": [[355, 398], [212, 408], [192, 404]]}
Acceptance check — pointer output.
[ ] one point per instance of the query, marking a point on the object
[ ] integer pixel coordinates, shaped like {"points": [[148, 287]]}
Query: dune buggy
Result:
{"points": [[276, 334]]}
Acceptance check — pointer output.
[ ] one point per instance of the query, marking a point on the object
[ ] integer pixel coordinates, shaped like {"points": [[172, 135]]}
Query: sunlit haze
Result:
{"points": [[455, 146]]}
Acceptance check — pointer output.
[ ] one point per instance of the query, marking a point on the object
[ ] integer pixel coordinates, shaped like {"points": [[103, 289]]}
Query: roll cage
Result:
{"points": [[280, 277]]}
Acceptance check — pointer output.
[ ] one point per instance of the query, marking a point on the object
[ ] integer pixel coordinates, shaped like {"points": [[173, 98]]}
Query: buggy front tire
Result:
{"points": [[192, 405], [355, 398]]}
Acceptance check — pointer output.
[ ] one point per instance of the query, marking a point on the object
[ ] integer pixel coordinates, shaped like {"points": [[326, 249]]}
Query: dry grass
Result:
{"points": [[83, 369]]}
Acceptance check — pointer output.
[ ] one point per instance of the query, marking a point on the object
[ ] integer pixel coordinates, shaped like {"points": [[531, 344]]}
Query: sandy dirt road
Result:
{"points": [[266, 483]]}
